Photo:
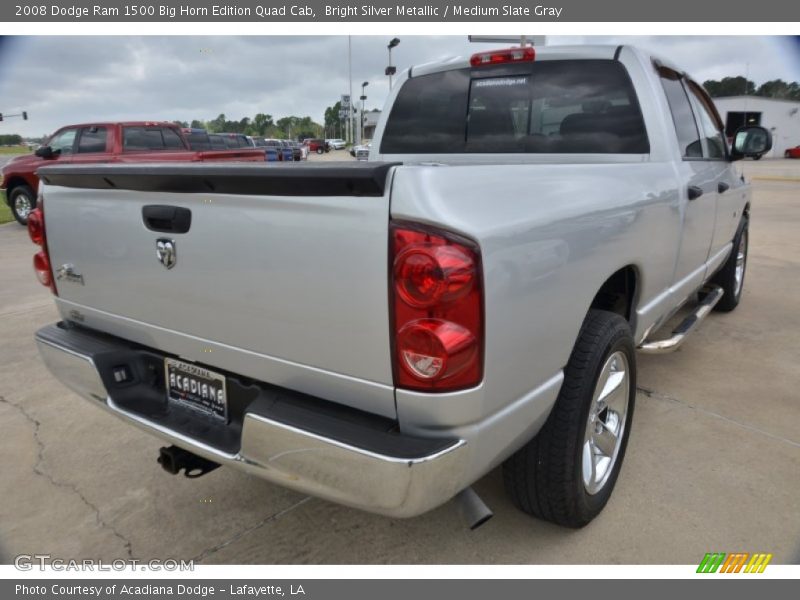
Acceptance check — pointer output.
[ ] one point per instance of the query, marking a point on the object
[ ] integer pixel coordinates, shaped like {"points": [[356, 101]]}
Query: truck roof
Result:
{"points": [[124, 124], [542, 53]]}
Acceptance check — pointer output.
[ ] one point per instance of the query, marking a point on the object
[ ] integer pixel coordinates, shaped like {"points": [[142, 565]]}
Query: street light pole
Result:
{"points": [[350, 76], [390, 70], [363, 99]]}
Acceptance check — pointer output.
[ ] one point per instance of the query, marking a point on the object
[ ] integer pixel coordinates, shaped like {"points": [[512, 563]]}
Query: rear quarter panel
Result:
{"points": [[550, 235]]}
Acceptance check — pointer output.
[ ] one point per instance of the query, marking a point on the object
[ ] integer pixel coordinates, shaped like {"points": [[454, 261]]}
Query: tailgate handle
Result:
{"points": [[167, 219]]}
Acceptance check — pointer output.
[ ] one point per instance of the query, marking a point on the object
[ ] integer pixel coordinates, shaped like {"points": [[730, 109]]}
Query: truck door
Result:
{"points": [[730, 188], [92, 145], [698, 180]]}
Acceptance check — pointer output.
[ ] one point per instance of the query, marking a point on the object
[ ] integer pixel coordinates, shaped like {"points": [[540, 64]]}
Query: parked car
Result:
{"points": [[236, 140], [361, 151], [336, 144], [197, 139], [792, 152], [271, 153], [132, 141], [317, 145], [528, 251], [283, 151], [299, 151]]}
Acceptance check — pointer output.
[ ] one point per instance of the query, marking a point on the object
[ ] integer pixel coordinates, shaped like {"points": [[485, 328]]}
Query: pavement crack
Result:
{"points": [[667, 398], [37, 469], [273, 517]]}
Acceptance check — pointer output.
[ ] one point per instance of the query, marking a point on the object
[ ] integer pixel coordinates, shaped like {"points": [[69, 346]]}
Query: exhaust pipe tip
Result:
{"points": [[472, 508], [173, 459]]}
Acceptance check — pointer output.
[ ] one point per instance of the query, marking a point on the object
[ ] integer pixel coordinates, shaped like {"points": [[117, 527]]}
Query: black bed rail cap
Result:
{"points": [[356, 178]]}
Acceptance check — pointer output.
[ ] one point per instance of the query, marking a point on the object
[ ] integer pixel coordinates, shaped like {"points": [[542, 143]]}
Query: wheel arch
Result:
{"points": [[14, 181], [619, 293]]}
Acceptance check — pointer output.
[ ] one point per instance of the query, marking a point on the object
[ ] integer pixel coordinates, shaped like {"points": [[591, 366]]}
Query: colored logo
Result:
{"points": [[737, 562]]}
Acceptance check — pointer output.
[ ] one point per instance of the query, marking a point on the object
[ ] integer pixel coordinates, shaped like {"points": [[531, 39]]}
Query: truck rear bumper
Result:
{"points": [[302, 443]]}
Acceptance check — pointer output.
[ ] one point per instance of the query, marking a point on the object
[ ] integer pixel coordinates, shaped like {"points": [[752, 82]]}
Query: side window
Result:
{"points": [[142, 138], [151, 138], [93, 139], [682, 115], [172, 141], [63, 141], [715, 142]]}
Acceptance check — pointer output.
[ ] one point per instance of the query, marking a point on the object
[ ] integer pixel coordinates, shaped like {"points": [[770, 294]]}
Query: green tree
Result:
{"points": [[777, 88], [261, 124], [10, 139], [730, 86], [217, 125], [332, 122]]}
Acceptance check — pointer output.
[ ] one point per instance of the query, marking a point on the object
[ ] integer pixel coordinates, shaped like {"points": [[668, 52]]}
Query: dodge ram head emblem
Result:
{"points": [[166, 252]]}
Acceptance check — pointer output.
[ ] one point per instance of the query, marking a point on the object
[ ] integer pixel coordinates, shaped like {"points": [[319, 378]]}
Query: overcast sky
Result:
{"points": [[64, 80]]}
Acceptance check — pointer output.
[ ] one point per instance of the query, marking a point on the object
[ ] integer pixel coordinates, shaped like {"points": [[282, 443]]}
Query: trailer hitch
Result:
{"points": [[173, 459]]}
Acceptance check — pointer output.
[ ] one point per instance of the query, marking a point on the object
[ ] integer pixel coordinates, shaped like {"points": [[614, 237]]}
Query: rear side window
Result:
{"points": [[198, 141], [562, 106], [682, 115], [151, 138], [92, 139], [711, 128], [217, 142], [172, 141]]}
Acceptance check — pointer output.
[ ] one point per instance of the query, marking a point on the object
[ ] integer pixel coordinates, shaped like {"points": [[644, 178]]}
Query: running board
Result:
{"points": [[711, 294]]}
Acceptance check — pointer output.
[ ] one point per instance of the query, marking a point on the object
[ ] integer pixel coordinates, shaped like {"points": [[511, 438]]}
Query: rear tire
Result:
{"points": [[731, 277], [22, 201], [567, 472]]}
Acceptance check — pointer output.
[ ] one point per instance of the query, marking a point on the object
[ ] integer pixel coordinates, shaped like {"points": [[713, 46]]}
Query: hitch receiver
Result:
{"points": [[173, 459]]}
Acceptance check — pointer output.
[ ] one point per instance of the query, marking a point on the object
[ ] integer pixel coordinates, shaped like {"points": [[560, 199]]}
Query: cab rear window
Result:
{"points": [[559, 106]]}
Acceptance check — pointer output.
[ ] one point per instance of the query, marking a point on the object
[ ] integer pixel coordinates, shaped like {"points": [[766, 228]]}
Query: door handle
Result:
{"points": [[723, 187], [695, 192], [167, 219]]}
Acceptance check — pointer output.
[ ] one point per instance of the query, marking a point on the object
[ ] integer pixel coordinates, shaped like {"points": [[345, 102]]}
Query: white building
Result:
{"points": [[781, 117]]}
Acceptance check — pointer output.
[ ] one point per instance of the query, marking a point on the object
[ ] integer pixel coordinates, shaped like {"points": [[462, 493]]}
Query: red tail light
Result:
{"points": [[38, 235], [437, 296], [36, 226], [500, 57]]}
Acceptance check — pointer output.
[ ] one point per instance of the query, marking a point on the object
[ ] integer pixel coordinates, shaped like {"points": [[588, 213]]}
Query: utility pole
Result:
{"points": [[363, 100], [350, 75], [390, 70]]}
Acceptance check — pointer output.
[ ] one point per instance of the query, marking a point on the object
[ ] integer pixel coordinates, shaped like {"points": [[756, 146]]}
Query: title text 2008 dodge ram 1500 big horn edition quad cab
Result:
{"points": [[382, 334]]}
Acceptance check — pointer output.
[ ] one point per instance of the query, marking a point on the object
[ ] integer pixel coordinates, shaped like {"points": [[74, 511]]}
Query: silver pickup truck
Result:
{"points": [[383, 333]]}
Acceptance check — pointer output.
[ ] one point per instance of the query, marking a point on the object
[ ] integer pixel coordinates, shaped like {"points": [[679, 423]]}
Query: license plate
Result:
{"points": [[197, 388]]}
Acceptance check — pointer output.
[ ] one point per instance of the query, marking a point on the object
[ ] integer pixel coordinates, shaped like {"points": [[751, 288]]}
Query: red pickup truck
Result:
{"points": [[135, 141]]}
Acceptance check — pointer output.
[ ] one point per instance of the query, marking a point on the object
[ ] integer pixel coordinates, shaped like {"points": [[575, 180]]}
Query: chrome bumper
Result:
{"points": [[403, 483]]}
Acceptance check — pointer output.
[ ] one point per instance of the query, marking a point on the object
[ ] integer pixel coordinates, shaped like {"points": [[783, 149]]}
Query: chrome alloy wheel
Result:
{"points": [[23, 205], [605, 426], [741, 263]]}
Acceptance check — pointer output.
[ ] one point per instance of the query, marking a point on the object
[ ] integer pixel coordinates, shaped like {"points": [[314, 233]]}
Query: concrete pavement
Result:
{"points": [[713, 462]]}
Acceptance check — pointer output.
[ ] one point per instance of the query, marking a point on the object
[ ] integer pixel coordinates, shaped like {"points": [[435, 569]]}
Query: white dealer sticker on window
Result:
{"points": [[504, 82]]}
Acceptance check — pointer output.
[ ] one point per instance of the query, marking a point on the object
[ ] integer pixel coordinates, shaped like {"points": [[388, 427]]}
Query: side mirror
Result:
{"points": [[751, 142], [45, 152]]}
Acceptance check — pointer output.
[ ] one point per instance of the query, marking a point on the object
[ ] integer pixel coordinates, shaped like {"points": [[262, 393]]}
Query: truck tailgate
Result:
{"points": [[281, 274]]}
